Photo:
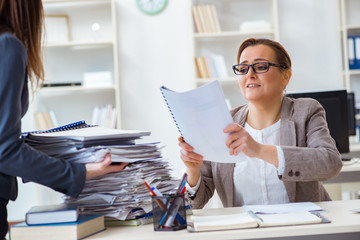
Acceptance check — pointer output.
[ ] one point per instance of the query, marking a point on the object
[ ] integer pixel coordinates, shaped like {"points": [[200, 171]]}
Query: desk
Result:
{"points": [[345, 225]]}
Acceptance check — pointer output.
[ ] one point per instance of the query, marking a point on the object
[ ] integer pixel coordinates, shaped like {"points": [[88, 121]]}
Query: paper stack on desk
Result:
{"points": [[114, 194]]}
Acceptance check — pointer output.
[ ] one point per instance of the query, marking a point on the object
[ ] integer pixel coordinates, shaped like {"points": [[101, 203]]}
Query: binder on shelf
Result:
{"points": [[200, 68], [215, 18], [354, 51], [357, 51], [212, 66], [205, 19], [196, 18]]}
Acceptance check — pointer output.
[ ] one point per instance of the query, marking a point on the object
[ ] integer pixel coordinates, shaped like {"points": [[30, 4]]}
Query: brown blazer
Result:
{"points": [[310, 156]]}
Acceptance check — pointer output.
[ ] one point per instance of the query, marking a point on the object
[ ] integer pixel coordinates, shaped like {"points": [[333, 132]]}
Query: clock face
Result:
{"points": [[151, 6]]}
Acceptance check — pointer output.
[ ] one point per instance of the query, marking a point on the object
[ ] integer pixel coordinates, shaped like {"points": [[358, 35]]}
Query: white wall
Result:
{"points": [[156, 50], [309, 31]]}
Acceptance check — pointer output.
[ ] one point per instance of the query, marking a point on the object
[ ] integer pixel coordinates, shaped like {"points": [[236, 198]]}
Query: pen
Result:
{"points": [[149, 188], [253, 215], [178, 217], [174, 202], [158, 201]]}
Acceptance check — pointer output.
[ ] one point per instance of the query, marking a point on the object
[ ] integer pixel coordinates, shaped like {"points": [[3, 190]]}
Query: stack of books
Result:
{"points": [[58, 221], [212, 66], [104, 116], [114, 194], [205, 19]]}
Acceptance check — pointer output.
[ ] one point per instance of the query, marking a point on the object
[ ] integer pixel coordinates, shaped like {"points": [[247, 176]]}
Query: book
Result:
{"points": [[251, 220], [200, 115], [196, 17], [143, 219], [85, 226], [54, 213], [129, 222]]}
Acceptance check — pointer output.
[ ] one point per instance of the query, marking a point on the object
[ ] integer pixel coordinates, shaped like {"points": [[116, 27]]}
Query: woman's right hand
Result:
{"points": [[192, 161]]}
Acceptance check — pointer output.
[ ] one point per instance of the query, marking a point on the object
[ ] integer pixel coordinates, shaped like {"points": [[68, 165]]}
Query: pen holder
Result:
{"points": [[169, 212]]}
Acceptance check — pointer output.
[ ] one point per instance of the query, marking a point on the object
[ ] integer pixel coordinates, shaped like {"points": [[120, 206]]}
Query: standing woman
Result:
{"points": [[21, 23], [287, 143]]}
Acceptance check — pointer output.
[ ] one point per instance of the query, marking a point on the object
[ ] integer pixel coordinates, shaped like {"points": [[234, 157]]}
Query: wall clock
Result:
{"points": [[151, 7]]}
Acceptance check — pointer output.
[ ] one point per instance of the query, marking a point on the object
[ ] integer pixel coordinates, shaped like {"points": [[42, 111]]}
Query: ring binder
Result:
{"points": [[171, 112], [70, 126], [200, 115]]}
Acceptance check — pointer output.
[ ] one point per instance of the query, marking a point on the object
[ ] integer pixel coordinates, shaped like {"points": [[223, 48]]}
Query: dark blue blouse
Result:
{"points": [[16, 157]]}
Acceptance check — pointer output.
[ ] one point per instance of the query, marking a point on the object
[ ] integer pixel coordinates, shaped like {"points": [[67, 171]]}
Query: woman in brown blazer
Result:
{"points": [[287, 143]]}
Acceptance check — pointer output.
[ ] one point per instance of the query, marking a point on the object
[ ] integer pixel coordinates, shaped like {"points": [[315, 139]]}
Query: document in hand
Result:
{"points": [[201, 115], [250, 220]]}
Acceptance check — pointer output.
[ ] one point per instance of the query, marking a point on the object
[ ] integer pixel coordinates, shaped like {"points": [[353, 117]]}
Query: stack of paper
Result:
{"points": [[114, 194]]}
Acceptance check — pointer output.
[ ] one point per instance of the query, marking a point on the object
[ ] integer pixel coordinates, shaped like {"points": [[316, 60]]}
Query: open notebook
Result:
{"points": [[251, 220]]}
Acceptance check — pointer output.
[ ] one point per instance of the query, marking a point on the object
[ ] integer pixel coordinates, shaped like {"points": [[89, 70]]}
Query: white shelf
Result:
{"points": [[221, 80], [87, 52], [354, 72], [348, 22], [353, 27], [217, 51], [228, 34], [75, 1], [77, 89], [80, 44]]}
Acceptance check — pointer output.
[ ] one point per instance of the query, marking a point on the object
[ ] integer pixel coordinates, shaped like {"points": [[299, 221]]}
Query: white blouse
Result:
{"points": [[256, 181]]}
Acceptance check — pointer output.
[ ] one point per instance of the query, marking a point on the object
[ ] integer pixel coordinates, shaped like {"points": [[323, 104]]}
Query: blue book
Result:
{"points": [[86, 225], [55, 213]]}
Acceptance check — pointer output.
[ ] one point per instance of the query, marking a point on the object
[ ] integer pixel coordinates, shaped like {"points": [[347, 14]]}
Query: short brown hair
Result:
{"points": [[282, 56]]}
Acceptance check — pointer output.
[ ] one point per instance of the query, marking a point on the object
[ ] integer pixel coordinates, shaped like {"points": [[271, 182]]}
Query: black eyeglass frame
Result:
{"points": [[252, 66]]}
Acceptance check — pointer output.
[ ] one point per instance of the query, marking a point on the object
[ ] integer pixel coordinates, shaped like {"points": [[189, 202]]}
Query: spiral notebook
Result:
{"points": [[200, 115], [74, 125], [81, 131]]}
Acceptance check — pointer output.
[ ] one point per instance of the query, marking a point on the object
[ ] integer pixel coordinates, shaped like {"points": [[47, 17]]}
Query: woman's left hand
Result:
{"points": [[103, 167], [239, 140]]}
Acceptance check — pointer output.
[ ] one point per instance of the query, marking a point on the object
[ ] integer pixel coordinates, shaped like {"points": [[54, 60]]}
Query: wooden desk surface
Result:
{"points": [[342, 221]]}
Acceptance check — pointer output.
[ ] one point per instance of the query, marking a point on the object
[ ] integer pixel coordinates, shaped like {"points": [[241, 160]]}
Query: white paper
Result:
{"points": [[283, 208], [201, 115]]}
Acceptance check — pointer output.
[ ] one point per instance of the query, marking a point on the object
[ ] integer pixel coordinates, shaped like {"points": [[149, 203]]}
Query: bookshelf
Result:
{"points": [[80, 59], [349, 22], [218, 29]]}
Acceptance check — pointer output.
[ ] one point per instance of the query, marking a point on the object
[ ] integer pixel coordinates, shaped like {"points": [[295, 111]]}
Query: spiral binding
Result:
{"points": [[177, 125], [70, 126]]}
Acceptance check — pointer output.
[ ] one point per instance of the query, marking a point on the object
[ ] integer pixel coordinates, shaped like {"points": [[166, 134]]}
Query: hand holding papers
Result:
{"points": [[114, 194], [201, 115]]}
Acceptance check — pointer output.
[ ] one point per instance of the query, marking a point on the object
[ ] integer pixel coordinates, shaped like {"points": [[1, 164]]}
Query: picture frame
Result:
{"points": [[57, 28]]}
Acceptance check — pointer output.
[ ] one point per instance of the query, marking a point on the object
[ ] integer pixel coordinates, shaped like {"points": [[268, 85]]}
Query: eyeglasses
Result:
{"points": [[260, 67]]}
